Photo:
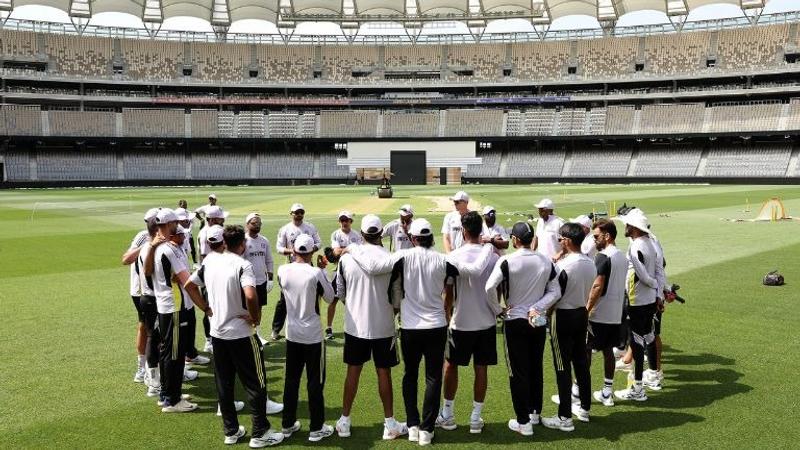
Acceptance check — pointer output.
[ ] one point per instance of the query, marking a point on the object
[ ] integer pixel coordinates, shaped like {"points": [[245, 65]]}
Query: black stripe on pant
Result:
{"points": [[417, 344], [279, 319], [568, 341], [312, 356], [174, 340], [525, 349], [240, 357], [641, 332], [150, 311]]}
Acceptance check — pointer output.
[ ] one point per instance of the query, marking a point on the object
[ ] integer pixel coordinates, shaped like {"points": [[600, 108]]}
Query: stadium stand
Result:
{"points": [[793, 118], [83, 165], [22, 120], [514, 123], [402, 124], [597, 121], [762, 161], [676, 53], [743, 117], [486, 60], [220, 62], [18, 166], [20, 44], [153, 122], [489, 167], [339, 61], [540, 61], [607, 57], [282, 165], [669, 162], [539, 122], [204, 123], [82, 123], [535, 163], [672, 118], [208, 165], [251, 124], [751, 48], [79, 56], [599, 162], [473, 122], [405, 56], [328, 167], [152, 60], [154, 165], [571, 122], [282, 63], [619, 119], [337, 124]]}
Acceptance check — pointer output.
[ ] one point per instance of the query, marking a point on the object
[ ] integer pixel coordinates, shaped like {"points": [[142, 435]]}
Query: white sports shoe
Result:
{"points": [[525, 430], [446, 423], [153, 391], [270, 438], [425, 437], [580, 413], [274, 407], [161, 402], [199, 360], [343, 428], [395, 431], [190, 375], [536, 419], [558, 423], [605, 400], [233, 439], [557, 400], [181, 407], [476, 426], [651, 379], [413, 434], [631, 394], [138, 377], [622, 366], [208, 348], [287, 432], [322, 433], [236, 404], [619, 353]]}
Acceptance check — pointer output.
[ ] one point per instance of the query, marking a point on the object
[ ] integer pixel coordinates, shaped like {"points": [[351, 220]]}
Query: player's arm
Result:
{"points": [[495, 278], [130, 256], [535, 243], [324, 287], [499, 242], [192, 287], [374, 266], [248, 283], [193, 250], [636, 257], [552, 292], [150, 261], [595, 293]]}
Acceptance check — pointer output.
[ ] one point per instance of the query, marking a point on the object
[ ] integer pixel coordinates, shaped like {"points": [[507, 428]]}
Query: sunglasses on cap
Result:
{"points": [[299, 211]]}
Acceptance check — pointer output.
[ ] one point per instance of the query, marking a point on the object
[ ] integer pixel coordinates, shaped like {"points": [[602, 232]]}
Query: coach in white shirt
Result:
{"points": [[494, 233], [451, 226], [397, 230], [202, 212], [259, 252], [340, 239], [302, 284], [546, 239], [214, 216]]}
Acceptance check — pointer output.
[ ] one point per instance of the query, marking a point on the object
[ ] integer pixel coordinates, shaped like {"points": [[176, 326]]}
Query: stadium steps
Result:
{"points": [[189, 169], [783, 119], [632, 164], [315, 173], [503, 169], [701, 167], [567, 163], [791, 170]]}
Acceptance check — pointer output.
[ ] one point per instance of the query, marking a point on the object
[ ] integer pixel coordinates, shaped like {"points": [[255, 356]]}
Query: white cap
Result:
{"points": [[406, 210], [371, 224], [460, 196], [546, 203], [214, 234], [214, 196], [215, 212], [182, 213], [635, 211], [250, 217], [487, 209], [304, 244], [296, 207], [636, 221], [347, 214], [150, 214], [166, 215], [583, 220], [420, 227]]}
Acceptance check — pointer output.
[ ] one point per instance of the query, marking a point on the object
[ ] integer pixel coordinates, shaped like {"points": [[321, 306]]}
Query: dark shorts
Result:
{"points": [[137, 304], [480, 346], [657, 324], [261, 292], [383, 352], [603, 335]]}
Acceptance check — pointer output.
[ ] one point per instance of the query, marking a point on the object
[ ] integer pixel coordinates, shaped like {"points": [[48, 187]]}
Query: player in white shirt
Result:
{"points": [[368, 327], [472, 328], [546, 239], [185, 221], [259, 253], [494, 233], [234, 310], [286, 236], [451, 225], [397, 230], [340, 239], [530, 281], [302, 284], [214, 215], [202, 212]]}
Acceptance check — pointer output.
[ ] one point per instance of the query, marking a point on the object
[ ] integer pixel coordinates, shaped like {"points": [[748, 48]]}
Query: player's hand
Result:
{"points": [[209, 312], [270, 285], [158, 240], [248, 319], [322, 262]]}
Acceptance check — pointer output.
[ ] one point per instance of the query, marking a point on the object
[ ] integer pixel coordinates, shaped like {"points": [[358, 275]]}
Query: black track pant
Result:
{"points": [[416, 344], [642, 336], [312, 357], [279, 319], [241, 357], [524, 348], [174, 343], [191, 320], [568, 341], [150, 312]]}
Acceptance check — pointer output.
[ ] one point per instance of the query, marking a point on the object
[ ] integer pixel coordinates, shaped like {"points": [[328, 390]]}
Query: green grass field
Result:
{"points": [[67, 334]]}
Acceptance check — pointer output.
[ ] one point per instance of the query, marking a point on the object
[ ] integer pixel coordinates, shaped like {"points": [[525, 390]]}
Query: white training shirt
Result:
{"points": [[400, 240], [202, 210], [661, 266], [368, 310], [340, 239], [289, 232], [531, 283], [451, 226], [493, 231], [641, 279], [145, 282], [259, 253], [547, 235], [612, 264], [576, 274], [205, 249], [187, 301], [169, 260], [187, 241], [301, 286], [225, 275], [472, 311], [138, 240]]}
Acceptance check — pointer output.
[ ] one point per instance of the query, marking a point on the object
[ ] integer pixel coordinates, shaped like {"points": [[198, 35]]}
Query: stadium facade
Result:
{"points": [[712, 101]]}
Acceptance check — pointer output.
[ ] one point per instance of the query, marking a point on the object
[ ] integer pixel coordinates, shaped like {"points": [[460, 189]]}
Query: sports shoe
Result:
{"points": [[425, 437], [190, 375], [236, 404], [180, 407], [446, 423], [631, 394], [287, 432], [233, 439], [413, 434], [270, 438], [163, 401], [622, 366], [558, 423], [605, 400], [208, 348], [275, 336], [536, 419], [580, 413], [557, 400], [619, 353], [651, 379], [329, 334], [153, 391], [399, 429], [343, 428], [322, 433], [476, 426], [525, 430], [199, 360], [139, 376], [274, 407]]}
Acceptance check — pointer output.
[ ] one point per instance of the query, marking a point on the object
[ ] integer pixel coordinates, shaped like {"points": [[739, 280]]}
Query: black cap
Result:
{"points": [[522, 231]]}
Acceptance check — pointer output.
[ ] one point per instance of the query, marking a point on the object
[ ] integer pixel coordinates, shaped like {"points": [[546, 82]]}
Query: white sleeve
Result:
{"points": [[198, 276], [268, 258], [374, 266], [639, 268], [315, 235], [327, 288], [281, 244], [178, 263], [478, 266], [495, 278], [334, 241], [446, 224], [247, 278]]}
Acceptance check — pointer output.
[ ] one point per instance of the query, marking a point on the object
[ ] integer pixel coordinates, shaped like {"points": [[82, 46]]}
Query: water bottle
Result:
{"points": [[537, 320]]}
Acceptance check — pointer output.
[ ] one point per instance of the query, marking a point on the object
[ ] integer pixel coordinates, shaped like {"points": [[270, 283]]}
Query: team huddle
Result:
{"points": [[409, 302]]}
